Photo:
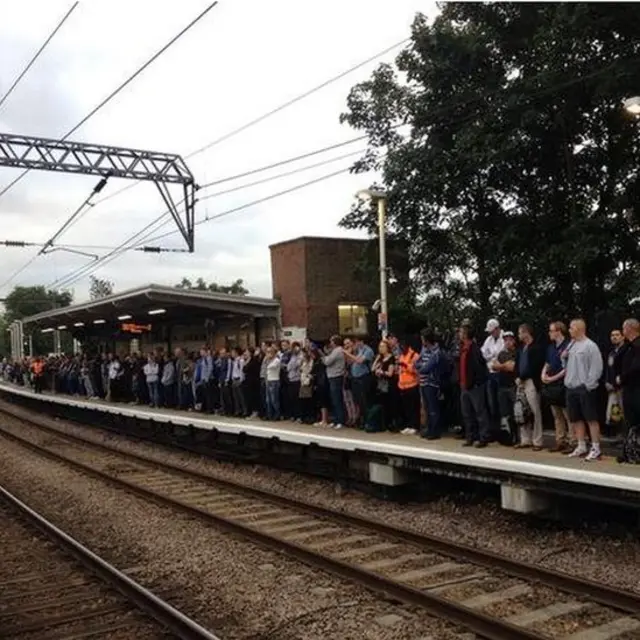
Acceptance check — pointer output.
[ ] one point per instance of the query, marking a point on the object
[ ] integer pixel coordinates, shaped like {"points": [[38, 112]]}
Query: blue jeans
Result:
{"points": [[273, 400], [337, 399], [154, 393], [431, 399]]}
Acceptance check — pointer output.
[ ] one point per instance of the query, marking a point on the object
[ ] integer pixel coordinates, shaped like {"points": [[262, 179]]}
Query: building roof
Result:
{"points": [[174, 301], [321, 239]]}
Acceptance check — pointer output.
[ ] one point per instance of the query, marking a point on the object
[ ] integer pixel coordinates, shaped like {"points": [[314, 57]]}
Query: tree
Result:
{"points": [[236, 288], [28, 301], [511, 183], [100, 288]]}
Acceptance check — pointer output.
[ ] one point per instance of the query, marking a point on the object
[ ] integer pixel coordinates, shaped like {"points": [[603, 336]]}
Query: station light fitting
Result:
{"points": [[632, 105], [99, 321], [157, 312], [78, 324], [62, 327], [125, 317], [366, 195], [49, 330]]}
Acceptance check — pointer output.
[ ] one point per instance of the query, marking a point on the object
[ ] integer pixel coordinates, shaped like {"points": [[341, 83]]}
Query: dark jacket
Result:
{"points": [[535, 362], [476, 368], [630, 367]]}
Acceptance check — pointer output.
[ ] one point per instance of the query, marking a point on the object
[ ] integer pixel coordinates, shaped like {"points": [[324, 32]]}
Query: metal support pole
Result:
{"points": [[57, 348], [384, 304], [31, 345]]}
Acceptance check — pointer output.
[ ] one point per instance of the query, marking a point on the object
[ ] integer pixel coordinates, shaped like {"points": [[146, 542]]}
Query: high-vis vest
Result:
{"points": [[408, 377]]}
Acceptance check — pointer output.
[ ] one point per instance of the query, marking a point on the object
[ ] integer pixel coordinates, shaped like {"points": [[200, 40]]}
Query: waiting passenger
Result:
{"points": [[582, 377], [553, 389], [472, 374], [428, 367], [505, 366], [614, 416], [293, 383], [334, 363], [237, 384], [152, 375], [384, 370], [273, 370], [529, 363], [408, 385]]}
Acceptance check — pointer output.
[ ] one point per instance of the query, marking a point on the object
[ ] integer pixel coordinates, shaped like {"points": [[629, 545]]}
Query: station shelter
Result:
{"points": [[155, 317]]}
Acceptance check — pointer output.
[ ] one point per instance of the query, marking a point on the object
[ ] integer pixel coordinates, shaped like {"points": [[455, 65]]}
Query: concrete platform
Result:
{"points": [[526, 478]]}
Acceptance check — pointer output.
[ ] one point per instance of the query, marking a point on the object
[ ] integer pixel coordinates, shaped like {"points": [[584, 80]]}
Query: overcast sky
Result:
{"points": [[243, 59]]}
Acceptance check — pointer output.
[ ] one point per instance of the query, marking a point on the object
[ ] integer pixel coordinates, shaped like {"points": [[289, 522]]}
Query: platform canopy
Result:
{"points": [[154, 303]]}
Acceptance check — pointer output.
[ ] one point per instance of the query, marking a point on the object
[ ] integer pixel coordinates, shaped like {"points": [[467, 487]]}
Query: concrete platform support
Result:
{"points": [[387, 475], [522, 500]]}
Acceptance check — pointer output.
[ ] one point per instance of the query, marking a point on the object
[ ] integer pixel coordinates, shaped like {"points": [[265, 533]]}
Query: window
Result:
{"points": [[352, 319]]}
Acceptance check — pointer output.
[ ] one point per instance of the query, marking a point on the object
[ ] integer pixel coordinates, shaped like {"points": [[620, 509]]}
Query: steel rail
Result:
{"points": [[485, 626], [162, 612], [603, 594]]}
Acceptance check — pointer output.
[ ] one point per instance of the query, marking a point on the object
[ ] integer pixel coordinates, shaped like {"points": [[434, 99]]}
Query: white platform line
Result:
{"points": [[583, 475]]}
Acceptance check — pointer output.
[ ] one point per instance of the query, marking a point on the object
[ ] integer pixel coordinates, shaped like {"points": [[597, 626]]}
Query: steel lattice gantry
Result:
{"points": [[163, 169]]}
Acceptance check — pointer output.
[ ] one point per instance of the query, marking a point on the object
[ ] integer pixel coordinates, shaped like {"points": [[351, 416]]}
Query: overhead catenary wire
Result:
{"points": [[31, 62], [102, 104], [164, 218], [120, 87], [85, 270], [275, 110], [444, 111]]}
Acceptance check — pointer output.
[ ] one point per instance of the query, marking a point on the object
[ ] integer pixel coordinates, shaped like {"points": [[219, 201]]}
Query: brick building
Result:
{"points": [[326, 286]]}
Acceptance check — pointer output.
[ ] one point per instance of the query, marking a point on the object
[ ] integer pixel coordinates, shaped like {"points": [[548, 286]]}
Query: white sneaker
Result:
{"points": [[405, 430], [594, 454], [578, 452], [410, 432], [337, 426]]}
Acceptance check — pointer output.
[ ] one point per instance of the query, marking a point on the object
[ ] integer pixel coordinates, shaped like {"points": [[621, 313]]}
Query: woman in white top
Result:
{"points": [[273, 384]]}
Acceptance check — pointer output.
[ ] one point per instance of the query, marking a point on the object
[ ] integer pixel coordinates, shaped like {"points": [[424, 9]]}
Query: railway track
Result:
{"points": [[51, 586], [491, 595]]}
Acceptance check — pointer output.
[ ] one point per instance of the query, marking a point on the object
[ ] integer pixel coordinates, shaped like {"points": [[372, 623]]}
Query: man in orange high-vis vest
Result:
{"points": [[409, 386]]}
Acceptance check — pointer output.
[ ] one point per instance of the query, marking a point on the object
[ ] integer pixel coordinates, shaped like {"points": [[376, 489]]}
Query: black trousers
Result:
{"points": [[361, 388], [475, 416], [293, 394], [631, 406], [410, 405]]}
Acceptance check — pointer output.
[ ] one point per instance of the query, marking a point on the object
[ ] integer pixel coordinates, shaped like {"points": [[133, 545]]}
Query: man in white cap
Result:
{"points": [[492, 347]]}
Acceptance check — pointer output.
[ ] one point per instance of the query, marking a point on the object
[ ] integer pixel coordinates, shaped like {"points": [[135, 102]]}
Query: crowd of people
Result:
{"points": [[491, 390]]}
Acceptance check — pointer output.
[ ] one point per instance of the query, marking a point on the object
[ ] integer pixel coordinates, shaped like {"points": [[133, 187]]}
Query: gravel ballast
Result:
{"points": [[232, 587], [588, 554]]}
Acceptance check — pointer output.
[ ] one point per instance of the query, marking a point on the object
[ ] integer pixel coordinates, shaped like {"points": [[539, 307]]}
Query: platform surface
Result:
{"points": [[606, 472]]}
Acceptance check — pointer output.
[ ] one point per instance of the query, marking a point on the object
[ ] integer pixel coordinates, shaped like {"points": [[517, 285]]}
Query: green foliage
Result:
{"points": [[28, 301], [100, 288], [511, 179], [236, 288]]}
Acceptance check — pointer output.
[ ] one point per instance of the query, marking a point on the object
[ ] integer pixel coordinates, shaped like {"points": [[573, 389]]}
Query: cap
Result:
{"points": [[492, 325], [508, 334]]}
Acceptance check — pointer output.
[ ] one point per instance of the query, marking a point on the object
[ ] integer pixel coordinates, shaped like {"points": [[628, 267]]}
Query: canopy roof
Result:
{"points": [[168, 303]]}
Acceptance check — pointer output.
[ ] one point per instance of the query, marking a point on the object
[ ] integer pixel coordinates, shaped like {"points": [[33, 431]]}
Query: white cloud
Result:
{"points": [[245, 58]]}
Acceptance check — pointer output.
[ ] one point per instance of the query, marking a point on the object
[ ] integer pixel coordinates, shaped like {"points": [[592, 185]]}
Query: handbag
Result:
{"points": [[555, 394]]}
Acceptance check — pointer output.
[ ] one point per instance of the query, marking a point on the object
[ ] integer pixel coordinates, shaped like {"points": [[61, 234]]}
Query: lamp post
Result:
{"points": [[380, 197], [632, 105]]}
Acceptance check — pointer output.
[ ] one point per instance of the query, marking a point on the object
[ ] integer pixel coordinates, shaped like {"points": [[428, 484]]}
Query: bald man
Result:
{"points": [[630, 373], [582, 377]]}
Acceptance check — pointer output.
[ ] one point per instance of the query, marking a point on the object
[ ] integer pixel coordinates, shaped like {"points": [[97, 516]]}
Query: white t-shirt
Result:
{"points": [[491, 348]]}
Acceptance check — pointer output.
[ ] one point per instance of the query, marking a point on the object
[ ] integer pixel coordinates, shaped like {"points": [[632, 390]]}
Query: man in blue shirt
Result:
{"points": [[553, 390], [360, 357]]}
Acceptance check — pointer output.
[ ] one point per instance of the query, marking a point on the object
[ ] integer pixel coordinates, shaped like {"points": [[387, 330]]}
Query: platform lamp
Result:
{"points": [[380, 198], [632, 105]]}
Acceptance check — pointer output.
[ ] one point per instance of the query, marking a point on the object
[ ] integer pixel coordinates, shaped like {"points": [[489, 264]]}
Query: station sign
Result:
{"points": [[132, 327]]}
